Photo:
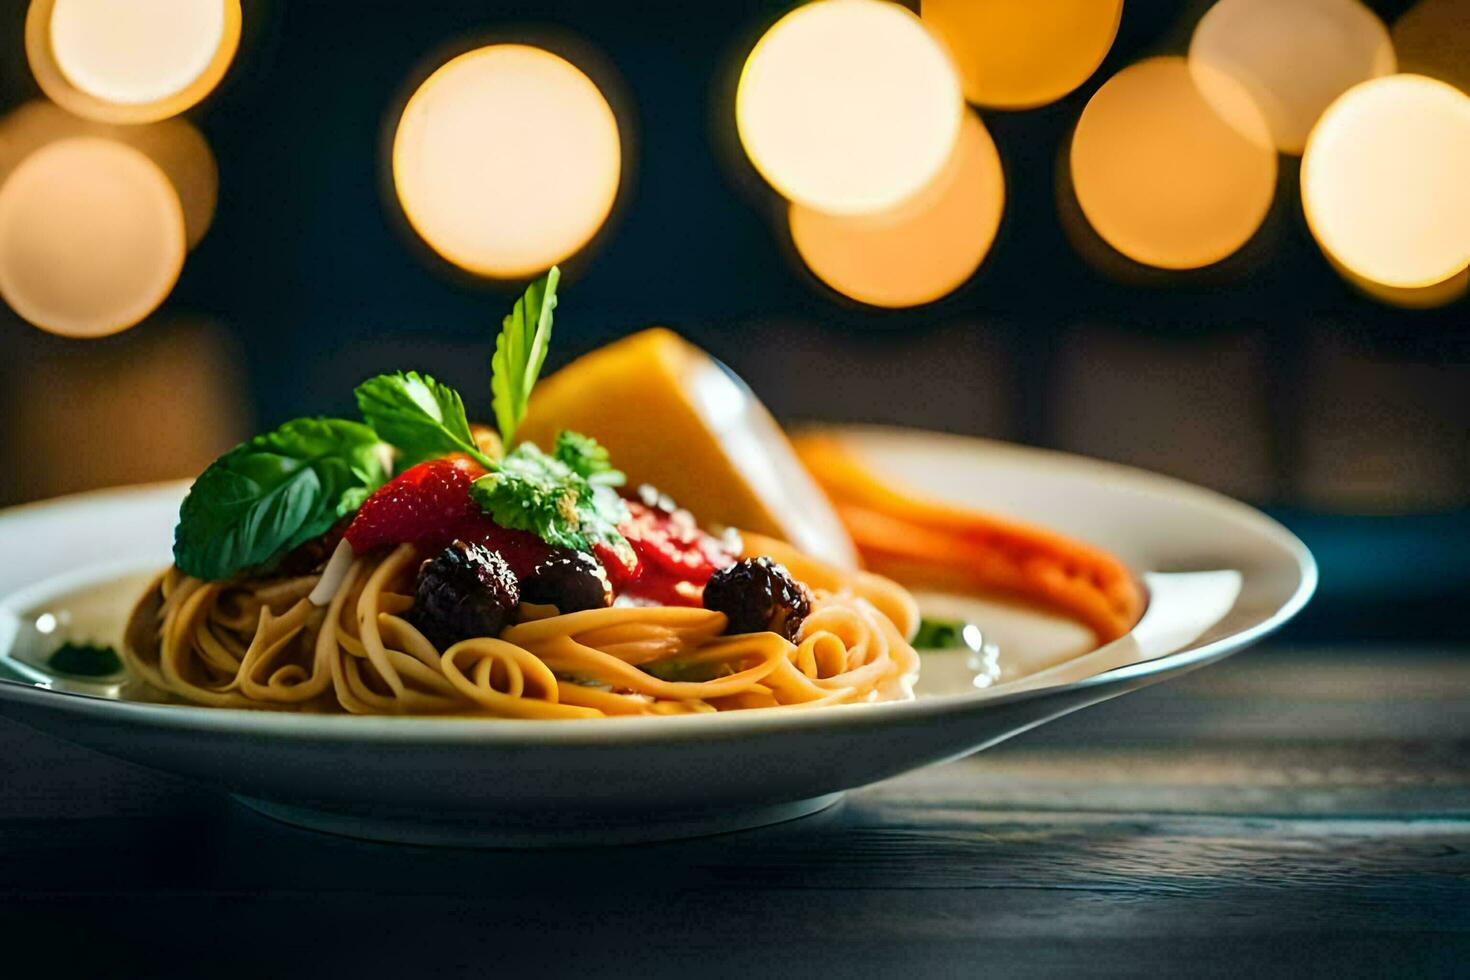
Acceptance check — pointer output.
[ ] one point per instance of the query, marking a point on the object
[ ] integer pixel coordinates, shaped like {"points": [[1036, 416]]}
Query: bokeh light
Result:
{"points": [[1386, 181], [848, 106], [1433, 38], [923, 250], [1019, 54], [1412, 298], [507, 160], [91, 237], [175, 145], [1160, 173], [133, 62], [1293, 56]]}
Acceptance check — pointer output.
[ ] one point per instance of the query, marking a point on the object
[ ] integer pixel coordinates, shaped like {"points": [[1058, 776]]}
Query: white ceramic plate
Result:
{"points": [[1220, 576]]}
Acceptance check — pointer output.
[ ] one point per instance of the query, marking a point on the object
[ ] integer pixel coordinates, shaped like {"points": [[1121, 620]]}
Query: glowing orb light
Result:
{"points": [[1433, 38], [130, 62], [507, 160], [1162, 175], [1386, 181], [175, 145], [91, 237], [1018, 54], [1293, 56], [924, 249], [848, 106]]}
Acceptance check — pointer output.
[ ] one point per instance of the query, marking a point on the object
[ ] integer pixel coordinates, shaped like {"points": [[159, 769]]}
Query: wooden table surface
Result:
{"points": [[1302, 812]]}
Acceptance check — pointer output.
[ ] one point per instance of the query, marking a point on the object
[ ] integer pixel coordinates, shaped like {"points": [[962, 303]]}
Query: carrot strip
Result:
{"points": [[924, 542]]}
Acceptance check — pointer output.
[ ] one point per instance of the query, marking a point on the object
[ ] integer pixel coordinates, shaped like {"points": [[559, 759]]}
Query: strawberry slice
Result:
{"points": [[416, 505], [675, 557], [429, 505]]}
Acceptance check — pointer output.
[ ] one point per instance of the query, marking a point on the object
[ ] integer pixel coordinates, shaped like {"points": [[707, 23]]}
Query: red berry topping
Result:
{"points": [[429, 505], [675, 558], [417, 504]]}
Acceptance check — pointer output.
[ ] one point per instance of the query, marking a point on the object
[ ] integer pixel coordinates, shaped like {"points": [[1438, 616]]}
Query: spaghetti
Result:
{"points": [[266, 644]]}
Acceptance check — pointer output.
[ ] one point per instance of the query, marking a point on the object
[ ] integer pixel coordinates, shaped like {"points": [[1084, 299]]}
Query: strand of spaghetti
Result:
{"points": [[507, 705], [176, 646], [211, 651], [607, 702], [367, 616], [565, 655], [271, 639], [674, 617]]}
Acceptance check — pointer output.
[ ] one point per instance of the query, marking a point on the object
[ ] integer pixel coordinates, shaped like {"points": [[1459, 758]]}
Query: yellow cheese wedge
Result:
{"points": [[674, 417]]}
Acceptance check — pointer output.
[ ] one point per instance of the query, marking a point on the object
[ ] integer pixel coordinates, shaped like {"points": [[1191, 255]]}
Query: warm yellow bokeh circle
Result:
{"points": [[1386, 181], [1162, 175], [130, 61], [91, 237], [923, 250], [507, 160], [175, 145], [1293, 56], [1019, 54], [848, 106]]}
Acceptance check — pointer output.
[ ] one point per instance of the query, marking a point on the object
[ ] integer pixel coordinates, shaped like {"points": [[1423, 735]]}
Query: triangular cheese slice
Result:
{"points": [[674, 417]]}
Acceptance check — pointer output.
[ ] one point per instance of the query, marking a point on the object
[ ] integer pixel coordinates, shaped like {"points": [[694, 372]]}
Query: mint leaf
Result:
{"points": [[588, 458], [274, 492], [418, 416], [531, 491], [520, 350]]}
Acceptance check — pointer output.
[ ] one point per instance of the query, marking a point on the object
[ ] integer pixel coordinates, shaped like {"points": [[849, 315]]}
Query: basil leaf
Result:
{"points": [[274, 492], [520, 350], [418, 416], [531, 491]]}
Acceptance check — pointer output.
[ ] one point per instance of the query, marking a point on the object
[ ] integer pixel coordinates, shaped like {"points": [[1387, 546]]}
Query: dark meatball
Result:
{"points": [[465, 591], [758, 594], [569, 580]]}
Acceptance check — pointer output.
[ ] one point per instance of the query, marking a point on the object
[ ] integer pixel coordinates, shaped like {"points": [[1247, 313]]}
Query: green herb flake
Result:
{"points": [[531, 491], [942, 634], [85, 660]]}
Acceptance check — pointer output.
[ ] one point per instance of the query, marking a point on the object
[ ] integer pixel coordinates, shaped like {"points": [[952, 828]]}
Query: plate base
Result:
{"points": [[501, 830]]}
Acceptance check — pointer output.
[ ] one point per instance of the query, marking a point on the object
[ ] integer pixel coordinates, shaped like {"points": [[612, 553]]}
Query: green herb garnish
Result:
{"points": [[587, 458], [531, 491], [269, 495], [520, 350], [421, 418], [274, 492], [942, 634], [85, 660]]}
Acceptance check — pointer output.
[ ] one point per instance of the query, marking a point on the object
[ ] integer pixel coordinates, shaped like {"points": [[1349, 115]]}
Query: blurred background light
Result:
{"points": [[175, 145], [848, 106], [1162, 176], [507, 160], [1293, 56], [1433, 38], [1019, 54], [130, 62], [1410, 298], [91, 237], [1386, 181], [925, 248]]}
